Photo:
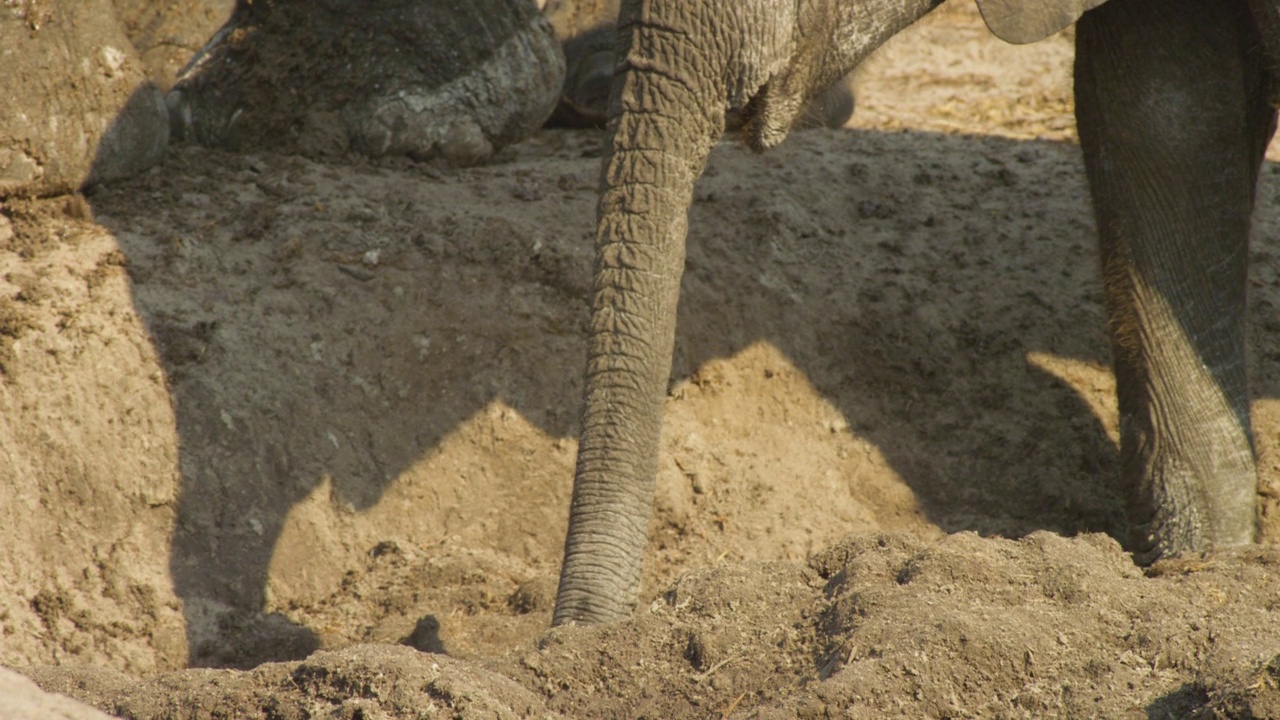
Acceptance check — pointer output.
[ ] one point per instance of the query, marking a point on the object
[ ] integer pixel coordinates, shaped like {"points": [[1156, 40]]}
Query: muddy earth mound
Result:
{"points": [[875, 626]]}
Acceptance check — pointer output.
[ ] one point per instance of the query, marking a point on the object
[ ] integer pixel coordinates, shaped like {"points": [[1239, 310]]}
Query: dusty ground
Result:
{"points": [[254, 406]]}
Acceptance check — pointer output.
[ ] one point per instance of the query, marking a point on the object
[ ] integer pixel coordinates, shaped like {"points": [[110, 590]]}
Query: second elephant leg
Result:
{"points": [[1171, 100]]}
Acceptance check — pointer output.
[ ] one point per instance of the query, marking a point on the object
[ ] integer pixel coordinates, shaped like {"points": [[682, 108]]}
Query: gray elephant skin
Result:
{"points": [[1174, 108]]}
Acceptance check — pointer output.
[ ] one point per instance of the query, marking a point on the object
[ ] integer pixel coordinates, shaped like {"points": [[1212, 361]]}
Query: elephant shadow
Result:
{"points": [[326, 330], [943, 293]]}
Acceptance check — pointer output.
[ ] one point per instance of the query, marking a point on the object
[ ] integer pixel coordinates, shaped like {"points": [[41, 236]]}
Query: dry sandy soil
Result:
{"points": [[313, 425]]}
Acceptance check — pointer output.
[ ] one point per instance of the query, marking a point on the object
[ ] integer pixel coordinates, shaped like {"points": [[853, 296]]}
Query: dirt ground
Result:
{"points": [[313, 425]]}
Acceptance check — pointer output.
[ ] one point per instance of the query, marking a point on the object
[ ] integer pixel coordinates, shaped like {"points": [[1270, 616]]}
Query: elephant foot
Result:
{"points": [[72, 63], [1195, 504], [419, 78]]}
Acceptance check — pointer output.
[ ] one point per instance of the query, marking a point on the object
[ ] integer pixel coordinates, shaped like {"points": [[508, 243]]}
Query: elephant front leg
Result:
{"points": [[1173, 119]]}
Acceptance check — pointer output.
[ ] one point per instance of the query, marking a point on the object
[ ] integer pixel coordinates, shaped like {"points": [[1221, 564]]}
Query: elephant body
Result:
{"points": [[422, 78], [1174, 105], [588, 32], [1174, 114]]}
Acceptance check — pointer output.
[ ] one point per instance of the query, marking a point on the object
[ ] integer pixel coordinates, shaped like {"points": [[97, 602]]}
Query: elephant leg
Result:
{"points": [[669, 118], [1266, 14], [1171, 101], [683, 64]]}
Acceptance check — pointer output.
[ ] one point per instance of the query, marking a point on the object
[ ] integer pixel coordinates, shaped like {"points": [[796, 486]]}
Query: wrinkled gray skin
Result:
{"points": [[588, 32], [1174, 106], [422, 78], [1174, 115]]}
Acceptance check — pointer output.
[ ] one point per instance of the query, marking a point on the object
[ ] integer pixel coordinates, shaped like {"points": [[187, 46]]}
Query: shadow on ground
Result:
{"points": [[330, 332]]}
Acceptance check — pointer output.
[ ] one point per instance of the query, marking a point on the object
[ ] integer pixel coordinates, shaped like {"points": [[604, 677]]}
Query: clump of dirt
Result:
{"points": [[81, 108], [317, 420], [875, 626], [14, 323]]}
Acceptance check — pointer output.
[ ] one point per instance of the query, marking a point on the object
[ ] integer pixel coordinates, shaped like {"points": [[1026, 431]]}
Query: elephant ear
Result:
{"points": [[1026, 21]]}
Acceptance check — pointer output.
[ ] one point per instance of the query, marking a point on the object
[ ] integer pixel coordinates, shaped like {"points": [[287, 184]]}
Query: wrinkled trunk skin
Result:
{"points": [[588, 31], [1172, 104], [685, 63], [668, 124]]}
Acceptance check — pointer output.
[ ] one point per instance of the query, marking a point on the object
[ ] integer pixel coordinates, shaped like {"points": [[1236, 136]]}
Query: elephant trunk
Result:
{"points": [[668, 115], [684, 62]]}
